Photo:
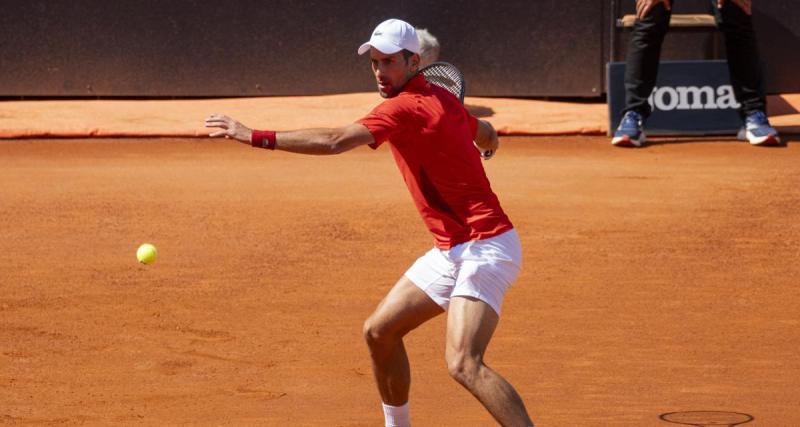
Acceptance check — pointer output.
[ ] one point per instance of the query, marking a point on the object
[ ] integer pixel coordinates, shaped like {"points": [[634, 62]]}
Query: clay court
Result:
{"points": [[655, 280]]}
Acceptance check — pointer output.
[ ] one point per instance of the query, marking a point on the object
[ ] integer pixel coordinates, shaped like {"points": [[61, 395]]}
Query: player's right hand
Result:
{"points": [[230, 128], [643, 7], [486, 141], [485, 154]]}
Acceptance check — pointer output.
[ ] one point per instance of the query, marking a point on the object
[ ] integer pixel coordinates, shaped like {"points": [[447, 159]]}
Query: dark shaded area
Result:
{"points": [[779, 107], [790, 138], [707, 418], [480, 111], [192, 48], [777, 26], [278, 47], [652, 142]]}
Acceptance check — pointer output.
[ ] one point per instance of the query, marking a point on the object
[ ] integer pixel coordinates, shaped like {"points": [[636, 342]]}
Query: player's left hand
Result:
{"points": [[745, 5], [230, 128]]}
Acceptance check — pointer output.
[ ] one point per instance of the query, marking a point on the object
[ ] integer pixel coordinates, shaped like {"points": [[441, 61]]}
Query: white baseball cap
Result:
{"points": [[392, 36]]}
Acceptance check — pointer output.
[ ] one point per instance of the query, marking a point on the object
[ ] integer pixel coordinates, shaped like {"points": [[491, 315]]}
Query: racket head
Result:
{"points": [[446, 76]]}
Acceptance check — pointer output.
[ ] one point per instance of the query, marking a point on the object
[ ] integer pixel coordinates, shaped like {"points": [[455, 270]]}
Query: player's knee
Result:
{"points": [[463, 368], [376, 335]]}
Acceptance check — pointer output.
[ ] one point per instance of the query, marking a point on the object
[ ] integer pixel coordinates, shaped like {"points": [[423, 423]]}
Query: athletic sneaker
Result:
{"points": [[629, 133], [757, 130]]}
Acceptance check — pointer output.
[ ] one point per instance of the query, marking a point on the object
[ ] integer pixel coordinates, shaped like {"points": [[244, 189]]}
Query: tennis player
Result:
{"points": [[476, 254]]}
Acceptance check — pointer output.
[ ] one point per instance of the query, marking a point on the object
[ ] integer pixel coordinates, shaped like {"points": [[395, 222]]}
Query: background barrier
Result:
{"points": [[278, 47], [690, 98]]}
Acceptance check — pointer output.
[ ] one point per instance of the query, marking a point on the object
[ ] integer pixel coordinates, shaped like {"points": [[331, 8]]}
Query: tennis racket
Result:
{"points": [[449, 78]]}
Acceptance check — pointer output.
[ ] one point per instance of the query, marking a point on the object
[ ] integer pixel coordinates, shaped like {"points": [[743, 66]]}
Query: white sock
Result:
{"points": [[396, 416]]}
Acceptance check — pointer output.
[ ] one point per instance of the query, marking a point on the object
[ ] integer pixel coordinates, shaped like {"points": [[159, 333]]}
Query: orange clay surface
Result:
{"points": [[655, 280]]}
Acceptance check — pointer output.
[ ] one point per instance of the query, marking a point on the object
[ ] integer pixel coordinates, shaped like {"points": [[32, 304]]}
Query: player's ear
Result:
{"points": [[415, 59]]}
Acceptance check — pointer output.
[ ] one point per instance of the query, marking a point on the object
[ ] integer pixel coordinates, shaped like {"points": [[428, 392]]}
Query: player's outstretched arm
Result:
{"points": [[486, 138], [306, 141], [324, 141]]}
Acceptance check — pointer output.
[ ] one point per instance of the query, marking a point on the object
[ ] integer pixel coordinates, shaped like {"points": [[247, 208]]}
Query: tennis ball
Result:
{"points": [[146, 254]]}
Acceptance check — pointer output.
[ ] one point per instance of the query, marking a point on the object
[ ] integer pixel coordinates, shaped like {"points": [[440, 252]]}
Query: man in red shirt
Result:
{"points": [[476, 254]]}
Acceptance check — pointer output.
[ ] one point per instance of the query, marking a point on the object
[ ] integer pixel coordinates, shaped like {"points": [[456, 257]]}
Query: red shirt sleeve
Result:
{"points": [[473, 125], [382, 122]]}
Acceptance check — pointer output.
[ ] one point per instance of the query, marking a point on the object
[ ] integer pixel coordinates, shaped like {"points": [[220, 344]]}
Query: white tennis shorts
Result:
{"points": [[482, 269]]}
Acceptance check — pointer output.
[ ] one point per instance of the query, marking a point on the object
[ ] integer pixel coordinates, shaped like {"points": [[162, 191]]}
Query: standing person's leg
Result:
{"points": [[644, 54], [403, 309], [746, 74], [470, 325], [641, 70], [742, 53]]}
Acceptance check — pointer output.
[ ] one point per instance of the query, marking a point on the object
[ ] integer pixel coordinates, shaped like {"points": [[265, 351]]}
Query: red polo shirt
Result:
{"points": [[430, 134]]}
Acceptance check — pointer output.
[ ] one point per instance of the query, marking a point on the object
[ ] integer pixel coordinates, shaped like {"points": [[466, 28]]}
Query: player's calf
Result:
{"points": [[491, 389]]}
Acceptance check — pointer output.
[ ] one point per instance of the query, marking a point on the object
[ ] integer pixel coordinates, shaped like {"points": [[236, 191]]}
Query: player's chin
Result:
{"points": [[387, 93]]}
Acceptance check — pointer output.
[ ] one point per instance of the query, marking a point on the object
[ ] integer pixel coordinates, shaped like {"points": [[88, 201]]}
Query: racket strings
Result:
{"points": [[447, 77]]}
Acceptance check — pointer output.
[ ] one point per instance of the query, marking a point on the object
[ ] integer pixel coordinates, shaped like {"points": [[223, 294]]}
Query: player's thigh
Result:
{"points": [[488, 268], [404, 308], [470, 326]]}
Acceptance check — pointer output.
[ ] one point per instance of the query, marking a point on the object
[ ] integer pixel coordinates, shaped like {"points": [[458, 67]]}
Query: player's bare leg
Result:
{"points": [[470, 325], [403, 309]]}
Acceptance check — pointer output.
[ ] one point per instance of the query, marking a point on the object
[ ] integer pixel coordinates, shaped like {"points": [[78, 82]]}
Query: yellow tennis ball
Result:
{"points": [[146, 254]]}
